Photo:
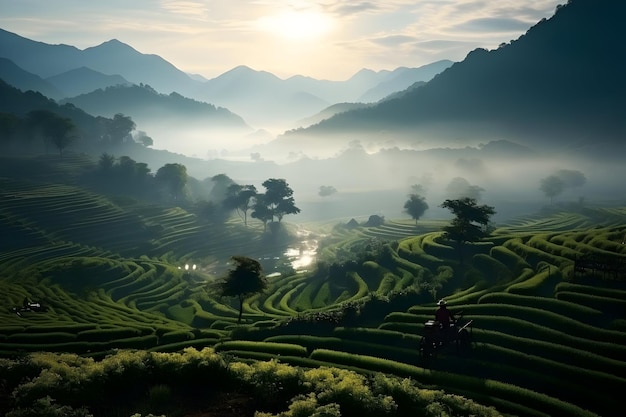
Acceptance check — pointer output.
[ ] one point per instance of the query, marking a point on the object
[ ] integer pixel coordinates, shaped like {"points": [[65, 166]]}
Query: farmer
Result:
{"points": [[444, 317]]}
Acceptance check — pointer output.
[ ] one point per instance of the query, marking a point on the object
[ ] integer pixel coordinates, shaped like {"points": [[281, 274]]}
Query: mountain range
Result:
{"points": [[559, 86], [66, 71]]}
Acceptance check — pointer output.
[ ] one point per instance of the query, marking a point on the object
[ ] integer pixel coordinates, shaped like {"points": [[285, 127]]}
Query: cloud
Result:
{"points": [[393, 40], [343, 8], [492, 25], [194, 9], [439, 45]]}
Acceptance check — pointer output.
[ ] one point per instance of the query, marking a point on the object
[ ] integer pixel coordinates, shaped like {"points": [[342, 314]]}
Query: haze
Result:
{"points": [[306, 108]]}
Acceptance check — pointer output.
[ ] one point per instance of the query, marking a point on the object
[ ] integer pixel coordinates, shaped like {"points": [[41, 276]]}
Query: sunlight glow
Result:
{"points": [[301, 25]]}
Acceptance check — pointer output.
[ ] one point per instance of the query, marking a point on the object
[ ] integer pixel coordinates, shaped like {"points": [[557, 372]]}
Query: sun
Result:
{"points": [[297, 25]]}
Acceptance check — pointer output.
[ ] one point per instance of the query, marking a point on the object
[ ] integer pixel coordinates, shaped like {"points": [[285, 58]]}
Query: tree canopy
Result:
{"points": [[326, 190], [244, 279], [53, 128], [459, 187], [415, 206], [470, 221], [552, 186], [241, 199], [261, 210], [119, 128], [174, 176], [279, 199]]}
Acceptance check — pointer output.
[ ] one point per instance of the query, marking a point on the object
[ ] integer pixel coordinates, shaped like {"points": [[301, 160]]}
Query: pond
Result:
{"points": [[304, 254], [299, 255]]}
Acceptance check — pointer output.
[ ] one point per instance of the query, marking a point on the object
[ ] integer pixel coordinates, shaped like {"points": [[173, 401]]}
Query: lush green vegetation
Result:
{"points": [[128, 316]]}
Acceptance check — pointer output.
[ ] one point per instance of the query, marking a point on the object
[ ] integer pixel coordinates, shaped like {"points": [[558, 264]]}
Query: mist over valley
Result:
{"points": [[501, 120]]}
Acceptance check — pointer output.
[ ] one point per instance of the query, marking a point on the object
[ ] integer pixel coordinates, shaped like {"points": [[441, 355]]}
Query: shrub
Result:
{"points": [[304, 406], [348, 389], [46, 407]]}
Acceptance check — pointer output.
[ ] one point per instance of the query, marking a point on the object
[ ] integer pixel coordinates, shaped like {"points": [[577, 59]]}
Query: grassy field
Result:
{"points": [[547, 339]]}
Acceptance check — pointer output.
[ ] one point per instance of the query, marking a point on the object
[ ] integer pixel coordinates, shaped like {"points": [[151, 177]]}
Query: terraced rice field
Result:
{"points": [[547, 339]]}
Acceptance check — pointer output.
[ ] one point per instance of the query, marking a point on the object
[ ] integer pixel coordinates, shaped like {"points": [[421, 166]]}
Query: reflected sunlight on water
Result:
{"points": [[302, 256]]}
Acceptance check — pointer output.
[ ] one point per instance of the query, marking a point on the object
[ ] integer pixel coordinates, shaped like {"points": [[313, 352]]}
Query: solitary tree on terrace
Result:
{"points": [[470, 222], [244, 279], [415, 206], [552, 186]]}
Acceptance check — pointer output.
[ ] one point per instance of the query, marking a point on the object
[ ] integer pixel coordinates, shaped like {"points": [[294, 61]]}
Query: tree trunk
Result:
{"points": [[460, 249], [240, 309]]}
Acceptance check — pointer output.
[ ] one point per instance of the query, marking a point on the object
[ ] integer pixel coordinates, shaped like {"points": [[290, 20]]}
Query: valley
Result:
{"points": [[255, 245]]}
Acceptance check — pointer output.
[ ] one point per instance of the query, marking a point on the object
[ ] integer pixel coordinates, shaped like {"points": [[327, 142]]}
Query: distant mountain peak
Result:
{"points": [[241, 72], [113, 44], [243, 68], [363, 73]]}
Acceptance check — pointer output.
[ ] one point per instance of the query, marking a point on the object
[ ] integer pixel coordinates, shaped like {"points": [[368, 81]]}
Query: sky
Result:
{"points": [[324, 39]]}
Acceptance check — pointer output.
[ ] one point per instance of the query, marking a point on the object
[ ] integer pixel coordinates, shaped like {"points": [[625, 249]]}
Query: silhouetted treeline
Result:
{"points": [[25, 127]]}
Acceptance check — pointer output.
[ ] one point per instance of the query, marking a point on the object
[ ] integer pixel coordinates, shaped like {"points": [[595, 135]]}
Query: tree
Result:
{"points": [[415, 206], [240, 198], [143, 138], [459, 187], [174, 177], [219, 188], [261, 210], [418, 189], [126, 168], [9, 127], [470, 222], [284, 207], [245, 279], [106, 162], [552, 186], [278, 198], [119, 128], [54, 128], [60, 131], [326, 190]]}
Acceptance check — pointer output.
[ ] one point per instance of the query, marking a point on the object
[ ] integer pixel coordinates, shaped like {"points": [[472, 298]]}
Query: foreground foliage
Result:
{"points": [[130, 382]]}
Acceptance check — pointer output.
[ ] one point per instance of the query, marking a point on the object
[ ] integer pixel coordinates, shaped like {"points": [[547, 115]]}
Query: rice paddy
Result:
{"points": [[548, 335]]}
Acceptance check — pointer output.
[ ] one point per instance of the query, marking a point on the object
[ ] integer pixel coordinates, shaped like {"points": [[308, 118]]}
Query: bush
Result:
{"points": [[46, 407]]}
